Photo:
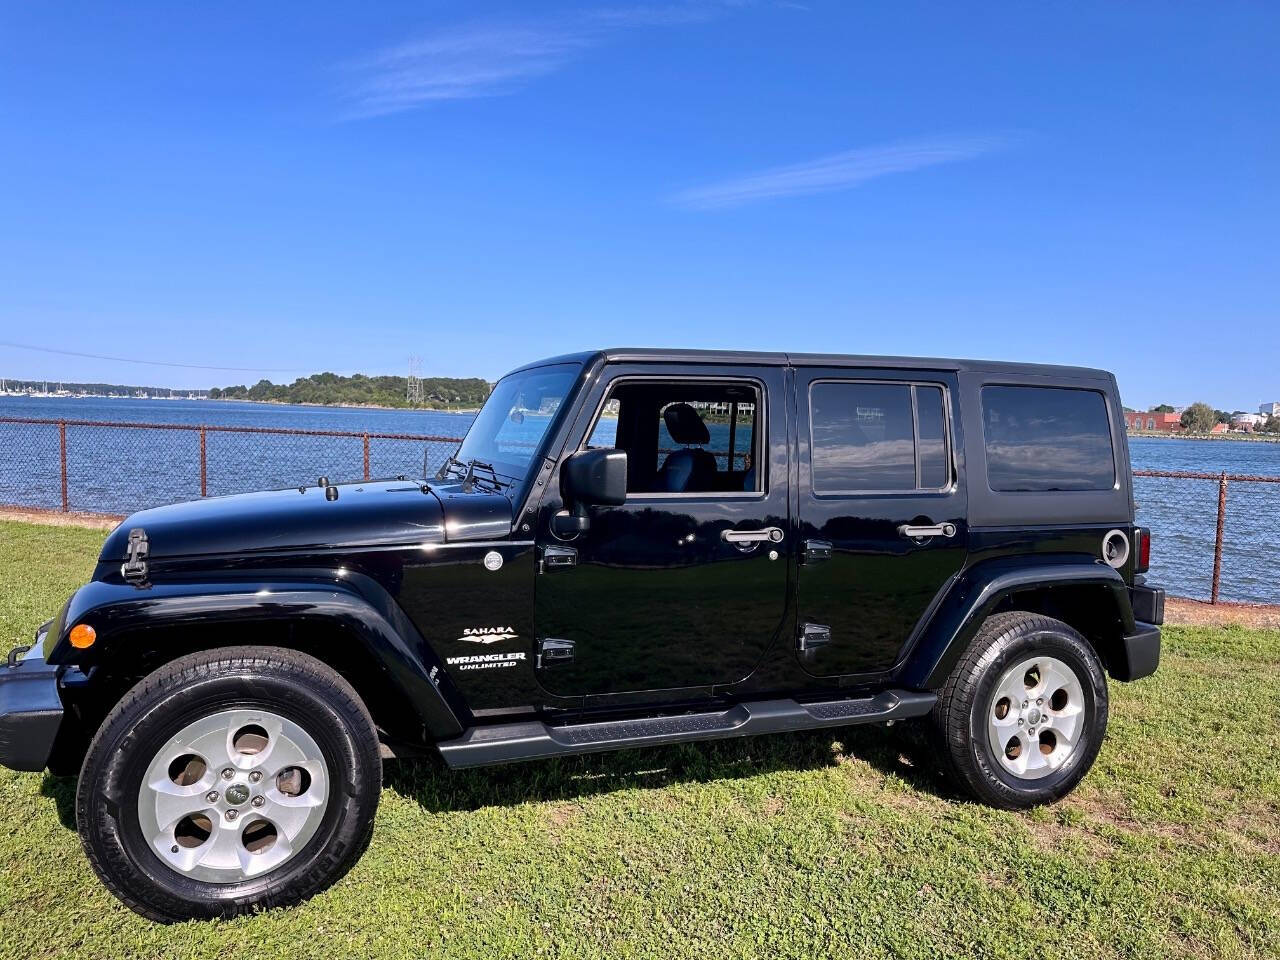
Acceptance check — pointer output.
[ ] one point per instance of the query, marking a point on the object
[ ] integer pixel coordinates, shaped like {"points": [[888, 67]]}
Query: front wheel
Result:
{"points": [[1021, 718], [229, 781]]}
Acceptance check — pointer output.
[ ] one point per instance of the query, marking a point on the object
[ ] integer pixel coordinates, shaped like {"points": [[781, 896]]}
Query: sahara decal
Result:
{"points": [[487, 635]]}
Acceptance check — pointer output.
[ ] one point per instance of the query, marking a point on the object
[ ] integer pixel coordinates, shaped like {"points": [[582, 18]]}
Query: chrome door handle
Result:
{"points": [[770, 534], [923, 532]]}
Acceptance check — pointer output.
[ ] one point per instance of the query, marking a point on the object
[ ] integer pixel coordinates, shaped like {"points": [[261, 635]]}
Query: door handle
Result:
{"points": [[925, 531], [770, 534]]}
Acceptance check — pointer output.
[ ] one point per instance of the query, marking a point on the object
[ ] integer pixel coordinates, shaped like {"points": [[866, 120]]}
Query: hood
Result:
{"points": [[364, 514]]}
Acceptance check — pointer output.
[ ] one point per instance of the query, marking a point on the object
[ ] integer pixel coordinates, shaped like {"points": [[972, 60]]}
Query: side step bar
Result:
{"points": [[504, 743]]}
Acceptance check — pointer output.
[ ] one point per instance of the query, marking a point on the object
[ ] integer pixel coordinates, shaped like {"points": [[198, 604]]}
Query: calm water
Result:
{"points": [[116, 471]]}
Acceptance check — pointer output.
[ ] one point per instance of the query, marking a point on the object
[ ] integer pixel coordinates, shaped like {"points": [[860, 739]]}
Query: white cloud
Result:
{"points": [[490, 60], [836, 172]]}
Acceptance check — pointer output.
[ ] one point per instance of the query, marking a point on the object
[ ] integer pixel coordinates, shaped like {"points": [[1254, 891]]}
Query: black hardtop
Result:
{"points": [[762, 358]]}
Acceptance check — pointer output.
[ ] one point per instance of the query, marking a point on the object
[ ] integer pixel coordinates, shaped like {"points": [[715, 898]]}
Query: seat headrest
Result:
{"points": [[684, 424]]}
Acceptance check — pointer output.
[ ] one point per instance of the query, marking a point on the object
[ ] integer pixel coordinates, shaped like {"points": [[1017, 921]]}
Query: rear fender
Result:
{"points": [[129, 622], [1105, 618]]}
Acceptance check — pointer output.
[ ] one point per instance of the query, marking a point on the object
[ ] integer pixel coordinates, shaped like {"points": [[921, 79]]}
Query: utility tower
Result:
{"points": [[413, 392]]}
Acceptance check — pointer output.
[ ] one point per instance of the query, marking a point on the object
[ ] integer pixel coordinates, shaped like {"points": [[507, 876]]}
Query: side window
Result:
{"points": [[877, 437], [1047, 438], [605, 433], [683, 437]]}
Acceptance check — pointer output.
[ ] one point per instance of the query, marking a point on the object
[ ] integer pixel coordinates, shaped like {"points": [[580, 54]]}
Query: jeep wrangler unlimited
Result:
{"points": [[630, 547]]}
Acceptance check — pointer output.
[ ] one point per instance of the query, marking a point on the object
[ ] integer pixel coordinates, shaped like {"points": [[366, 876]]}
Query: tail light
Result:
{"points": [[1143, 537]]}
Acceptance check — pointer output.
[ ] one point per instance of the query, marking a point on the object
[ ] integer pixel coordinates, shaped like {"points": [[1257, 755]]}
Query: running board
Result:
{"points": [[506, 742]]}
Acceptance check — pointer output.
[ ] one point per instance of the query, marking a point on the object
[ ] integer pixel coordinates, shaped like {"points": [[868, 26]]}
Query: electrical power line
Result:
{"points": [[150, 363]]}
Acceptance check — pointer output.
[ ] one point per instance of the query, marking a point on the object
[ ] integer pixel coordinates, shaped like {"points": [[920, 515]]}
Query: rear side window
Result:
{"points": [[1047, 438], [877, 437]]}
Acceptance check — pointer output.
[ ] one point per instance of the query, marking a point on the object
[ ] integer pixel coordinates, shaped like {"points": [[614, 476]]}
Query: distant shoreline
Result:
{"points": [[344, 406], [1241, 437]]}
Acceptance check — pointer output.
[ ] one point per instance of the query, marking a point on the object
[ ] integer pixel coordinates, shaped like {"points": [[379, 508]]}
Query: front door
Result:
{"points": [[881, 512], [685, 584]]}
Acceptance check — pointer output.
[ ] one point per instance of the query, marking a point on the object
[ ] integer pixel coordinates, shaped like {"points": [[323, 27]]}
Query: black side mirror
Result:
{"points": [[590, 478]]}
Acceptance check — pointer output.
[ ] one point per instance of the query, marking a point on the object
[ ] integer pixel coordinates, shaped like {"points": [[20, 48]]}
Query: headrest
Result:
{"points": [[684, 424]]}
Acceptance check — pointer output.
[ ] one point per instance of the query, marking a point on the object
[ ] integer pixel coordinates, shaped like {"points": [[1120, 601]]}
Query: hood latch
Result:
{"points": [[134, 568]]}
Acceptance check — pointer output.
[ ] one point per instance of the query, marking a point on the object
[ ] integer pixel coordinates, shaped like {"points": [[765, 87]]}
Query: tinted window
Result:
{"points": [[1047, 438], [933, 438], [863, 438]]}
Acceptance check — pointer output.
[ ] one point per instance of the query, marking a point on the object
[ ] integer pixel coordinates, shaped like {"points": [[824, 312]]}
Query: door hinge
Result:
{"points": [[134, 568], [812, 636], [552, 651], [815, 550], [555, 558]]}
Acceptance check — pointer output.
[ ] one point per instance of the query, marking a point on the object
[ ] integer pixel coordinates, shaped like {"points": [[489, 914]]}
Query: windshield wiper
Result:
{"points": [[469, 481], [450, 462]]}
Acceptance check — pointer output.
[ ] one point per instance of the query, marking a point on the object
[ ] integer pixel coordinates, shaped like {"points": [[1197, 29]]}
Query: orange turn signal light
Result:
{"points": [[83, 635]]}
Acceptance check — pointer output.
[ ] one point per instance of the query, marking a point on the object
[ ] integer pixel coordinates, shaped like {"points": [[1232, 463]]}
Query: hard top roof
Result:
{"points": [[654, 355]]}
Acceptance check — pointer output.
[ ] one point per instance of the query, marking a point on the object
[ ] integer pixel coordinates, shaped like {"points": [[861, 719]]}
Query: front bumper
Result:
{"points": [[30, 709]]}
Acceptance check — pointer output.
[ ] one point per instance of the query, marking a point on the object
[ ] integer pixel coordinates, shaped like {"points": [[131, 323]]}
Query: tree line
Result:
{"points": [[331, 388], [1200, 417]]}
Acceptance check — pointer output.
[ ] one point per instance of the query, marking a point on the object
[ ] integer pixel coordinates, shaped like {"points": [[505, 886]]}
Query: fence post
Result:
{"points": [[204, 471], [1217, 542], [62, 443], [366, 456]]}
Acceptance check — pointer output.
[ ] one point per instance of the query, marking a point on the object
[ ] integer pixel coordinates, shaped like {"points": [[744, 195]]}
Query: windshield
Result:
{"points": [[514, 420]]}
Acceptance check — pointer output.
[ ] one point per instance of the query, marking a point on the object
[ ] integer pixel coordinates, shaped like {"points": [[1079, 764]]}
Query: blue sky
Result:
{"points": [[292, 188]]}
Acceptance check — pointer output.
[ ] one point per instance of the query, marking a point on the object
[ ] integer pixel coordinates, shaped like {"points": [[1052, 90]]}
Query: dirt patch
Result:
{"points": [[1196, 613], [56, 518]]}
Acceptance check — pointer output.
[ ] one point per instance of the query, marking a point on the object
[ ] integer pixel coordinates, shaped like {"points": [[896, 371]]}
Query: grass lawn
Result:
{"points": [[845, 844]]}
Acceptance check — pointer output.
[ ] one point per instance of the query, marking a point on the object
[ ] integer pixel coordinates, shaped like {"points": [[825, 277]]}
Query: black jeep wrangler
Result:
{"points": [[630, 547]]}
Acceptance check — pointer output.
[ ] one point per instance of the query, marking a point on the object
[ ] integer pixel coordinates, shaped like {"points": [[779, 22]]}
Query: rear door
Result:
{"points": [[881, 511]]}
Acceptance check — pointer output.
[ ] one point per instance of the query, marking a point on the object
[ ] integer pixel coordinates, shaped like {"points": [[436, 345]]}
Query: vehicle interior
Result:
{"points": [[683, 438]]}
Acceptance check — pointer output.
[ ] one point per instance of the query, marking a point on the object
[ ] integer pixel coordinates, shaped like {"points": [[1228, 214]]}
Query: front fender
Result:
{"points": [[120, 612], [981, 590]]}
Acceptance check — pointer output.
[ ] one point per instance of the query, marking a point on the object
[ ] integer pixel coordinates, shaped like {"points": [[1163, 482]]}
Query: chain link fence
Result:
{"points": [[116, 468], [1213, 535]]}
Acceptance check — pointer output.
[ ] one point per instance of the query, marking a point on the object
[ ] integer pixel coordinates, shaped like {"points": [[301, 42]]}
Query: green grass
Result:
{"points": [[843, 844]]}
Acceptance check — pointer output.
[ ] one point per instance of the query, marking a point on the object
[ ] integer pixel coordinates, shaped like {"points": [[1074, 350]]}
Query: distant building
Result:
{"points": [[1270, 409], [1154, 422], [1219, 428], [1247, 421]]}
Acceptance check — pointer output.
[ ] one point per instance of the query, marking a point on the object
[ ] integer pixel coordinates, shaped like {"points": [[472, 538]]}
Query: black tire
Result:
{"points": [[289, 684], [959, 718]]}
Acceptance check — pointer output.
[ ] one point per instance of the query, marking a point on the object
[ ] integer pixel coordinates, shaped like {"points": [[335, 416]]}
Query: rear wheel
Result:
{"points": [[1021, 718], [229, 781]]}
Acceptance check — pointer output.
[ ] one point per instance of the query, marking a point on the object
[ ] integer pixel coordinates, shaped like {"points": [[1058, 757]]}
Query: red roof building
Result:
{"points": [[1154, 422]]}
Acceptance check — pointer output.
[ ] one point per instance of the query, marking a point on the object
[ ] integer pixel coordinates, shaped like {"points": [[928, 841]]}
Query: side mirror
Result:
{"points": [[590, 478]]}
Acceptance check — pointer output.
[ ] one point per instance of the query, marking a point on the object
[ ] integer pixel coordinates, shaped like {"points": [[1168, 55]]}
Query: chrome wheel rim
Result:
{"points": [[233, 795], [1035, 717]]}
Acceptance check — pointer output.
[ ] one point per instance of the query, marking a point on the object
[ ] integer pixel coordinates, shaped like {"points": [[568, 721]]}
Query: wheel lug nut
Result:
{"points": [[255, 776], [1025, 704], [258, 801], [211, 796], [231, 814], [1039, 701], [228, 773]]}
